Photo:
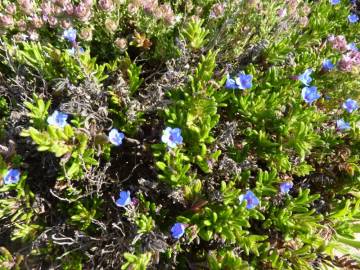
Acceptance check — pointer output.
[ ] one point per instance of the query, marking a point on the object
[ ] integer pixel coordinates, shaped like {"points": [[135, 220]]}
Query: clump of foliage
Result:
{"points": [[146, 134]]}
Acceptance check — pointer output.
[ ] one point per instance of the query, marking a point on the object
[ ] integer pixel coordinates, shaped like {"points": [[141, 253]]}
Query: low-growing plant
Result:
{"points": [[192, 134]]}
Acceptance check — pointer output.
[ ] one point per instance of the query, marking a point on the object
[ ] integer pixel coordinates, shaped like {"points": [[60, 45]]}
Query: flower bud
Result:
{"points": [[167, 14], [36, 22], [111, 25], [303, 21], [345, 64], [62, 3], [33, 35], [82, 12], [106, 5], [26, 6], [65, 23], [339, 42], [86, 34], [52, 21], [121, 43], [58, 10], [217, 11], [306, 10], [69, 9], [21, 25], [11, 9], [88, 3], [6, 21], [281, 12], [132, 9], [149, 6], [46, 8]]}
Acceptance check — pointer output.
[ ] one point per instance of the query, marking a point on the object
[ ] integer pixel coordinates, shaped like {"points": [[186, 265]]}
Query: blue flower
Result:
{"points": [[305, 78], [73, 50], [124, 199], [12, 177], [70, 34], [251, 200], [57, 119], [335, 2], [327, 65], [310, 94], [352, 46], [342, 125], [172, 137], [350, 105], [178, 230], [244, 81], [286, 186], [353, 18], [116, 137], [230, 83]]}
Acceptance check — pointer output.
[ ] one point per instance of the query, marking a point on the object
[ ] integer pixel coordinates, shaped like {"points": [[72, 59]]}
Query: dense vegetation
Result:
{"points": [[184, 134]]}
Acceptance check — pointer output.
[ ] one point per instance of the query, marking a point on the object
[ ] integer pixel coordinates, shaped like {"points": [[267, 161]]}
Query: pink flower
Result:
{"points": [[33, 35], [26, 6], [6, 21], [106, 5], [37, 22], [21, 24], [65, 24], [167, 14], [345, 64], [339, 42], [303, 21], [69, 9], [58, 10], [52, 21], [217, 10], [46, 8], [281, 12], [82, 12], [11, 9], [149, 5], [132, 9], [88, 3], [62, 3], [355, 57]]}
